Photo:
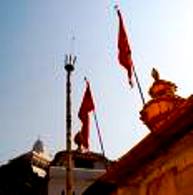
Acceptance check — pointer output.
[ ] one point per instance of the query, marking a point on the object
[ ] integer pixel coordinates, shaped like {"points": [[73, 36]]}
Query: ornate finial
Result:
{"points": [[161, 87], [155, 74], [69, 62], [38, 146], [164, 101]]}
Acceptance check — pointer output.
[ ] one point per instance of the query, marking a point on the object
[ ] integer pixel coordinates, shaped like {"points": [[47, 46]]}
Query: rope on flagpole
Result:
{"points": [[139, 86]]}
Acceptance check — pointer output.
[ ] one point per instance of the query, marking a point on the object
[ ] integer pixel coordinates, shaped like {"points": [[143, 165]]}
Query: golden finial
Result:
{"points": [[155, 74]]}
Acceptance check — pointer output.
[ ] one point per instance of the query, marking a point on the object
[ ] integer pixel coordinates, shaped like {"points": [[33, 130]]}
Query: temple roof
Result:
{"points": [[174, 128], [169, 118], [61, 157]]}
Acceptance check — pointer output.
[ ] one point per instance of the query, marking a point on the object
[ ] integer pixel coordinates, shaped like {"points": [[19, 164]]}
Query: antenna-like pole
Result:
{"points": [[69, 67]]}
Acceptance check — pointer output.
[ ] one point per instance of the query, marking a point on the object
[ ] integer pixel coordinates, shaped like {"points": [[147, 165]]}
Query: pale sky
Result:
{"points": [[35, 36]]}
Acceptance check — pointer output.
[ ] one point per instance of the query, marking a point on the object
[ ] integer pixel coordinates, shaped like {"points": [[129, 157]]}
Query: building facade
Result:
{"points": [[87, 167]]}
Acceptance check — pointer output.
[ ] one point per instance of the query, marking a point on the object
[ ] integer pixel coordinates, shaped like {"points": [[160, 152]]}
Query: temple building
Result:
{"points": [[87, 168], [34, 173], [27, 173], [162, 163]]}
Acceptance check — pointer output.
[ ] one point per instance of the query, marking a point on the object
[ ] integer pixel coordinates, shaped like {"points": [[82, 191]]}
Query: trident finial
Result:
{"points": [[69, 62]]}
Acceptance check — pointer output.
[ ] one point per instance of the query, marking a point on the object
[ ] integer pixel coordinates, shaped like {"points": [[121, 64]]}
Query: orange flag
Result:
{"points": [[86, 107], [124, 55]]}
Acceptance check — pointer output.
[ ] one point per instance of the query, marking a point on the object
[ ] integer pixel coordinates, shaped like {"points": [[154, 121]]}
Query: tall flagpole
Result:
{"points": [[125, 57], [139, 86], [98, 129], [99, 133], [69, 67], [100, 138]]}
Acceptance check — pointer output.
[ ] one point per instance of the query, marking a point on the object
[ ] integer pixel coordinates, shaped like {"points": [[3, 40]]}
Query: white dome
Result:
{"points": [[38, 146]]}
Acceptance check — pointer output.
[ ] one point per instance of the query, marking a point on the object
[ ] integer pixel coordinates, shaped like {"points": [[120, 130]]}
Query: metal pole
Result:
{"points": [[69, 67], [100, 140], [99, 133], [139, 86]]}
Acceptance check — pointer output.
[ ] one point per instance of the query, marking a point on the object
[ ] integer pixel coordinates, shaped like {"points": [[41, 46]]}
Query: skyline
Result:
{"points": [[35, 36]]}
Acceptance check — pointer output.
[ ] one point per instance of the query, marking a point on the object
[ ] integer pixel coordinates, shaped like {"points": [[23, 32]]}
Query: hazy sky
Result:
{"points": [[35, 36]]}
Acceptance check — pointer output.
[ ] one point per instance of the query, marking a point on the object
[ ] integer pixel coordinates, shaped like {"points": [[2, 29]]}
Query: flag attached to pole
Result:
{"points": [[86, 107], [124, 55]]}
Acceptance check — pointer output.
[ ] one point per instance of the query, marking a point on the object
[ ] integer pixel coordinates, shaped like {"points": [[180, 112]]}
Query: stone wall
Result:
{"points": [[169, 173]]}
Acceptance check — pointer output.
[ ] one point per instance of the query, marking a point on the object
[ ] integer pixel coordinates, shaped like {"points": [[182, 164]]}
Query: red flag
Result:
{"points": [[86, 107], [124, 55]]}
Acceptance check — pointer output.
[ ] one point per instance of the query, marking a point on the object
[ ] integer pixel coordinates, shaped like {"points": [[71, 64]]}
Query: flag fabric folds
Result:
{"points": [[124, 55], [86, 107]]}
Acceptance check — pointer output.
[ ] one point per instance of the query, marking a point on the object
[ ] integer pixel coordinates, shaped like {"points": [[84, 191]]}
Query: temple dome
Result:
{"points": [[38, 146], [163, 102]]}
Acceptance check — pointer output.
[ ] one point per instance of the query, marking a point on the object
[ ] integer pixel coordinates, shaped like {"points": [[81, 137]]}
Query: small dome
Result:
{"points": [[38, 146], [161, 87], [164, 101]]}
